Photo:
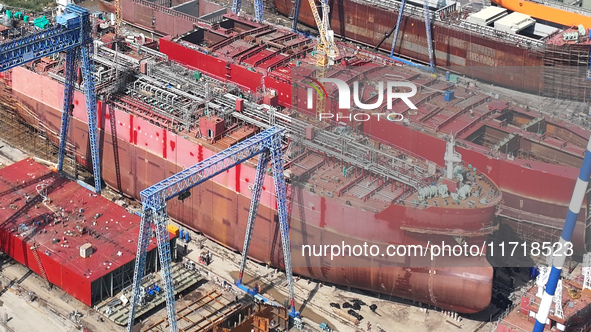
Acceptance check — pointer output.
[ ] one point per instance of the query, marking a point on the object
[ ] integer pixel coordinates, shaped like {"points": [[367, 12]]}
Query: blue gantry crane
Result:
{"points": [[267, 145], [398, 22], [72, 34], [258, 8], [296, 14], [589, 68], [428, 35]]}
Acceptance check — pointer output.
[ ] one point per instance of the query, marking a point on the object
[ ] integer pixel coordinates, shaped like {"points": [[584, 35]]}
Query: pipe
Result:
{"points": [[410, 63], [45, 162], [86, 185]]}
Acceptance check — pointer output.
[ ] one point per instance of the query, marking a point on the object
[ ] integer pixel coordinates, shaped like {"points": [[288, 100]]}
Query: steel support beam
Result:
{"points": [[254, 206]]}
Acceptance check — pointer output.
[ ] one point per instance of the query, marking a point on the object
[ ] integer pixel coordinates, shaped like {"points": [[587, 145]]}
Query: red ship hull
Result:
{"points": [[505, 63], [219, 208], [467, 53], [534, 192]]}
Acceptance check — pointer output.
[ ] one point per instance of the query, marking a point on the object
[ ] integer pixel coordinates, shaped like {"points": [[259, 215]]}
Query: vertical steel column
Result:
{"points": [[254, 206], [281, 192], [258, 10], [161, 225], [398, 22], [236, 6], [140, 262], [91, 112], [429, 38], [69, 74], [296, 14]]}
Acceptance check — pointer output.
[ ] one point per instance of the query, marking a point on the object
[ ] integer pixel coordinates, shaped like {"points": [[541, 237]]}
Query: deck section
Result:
{"points": [[46, 219], [203, 313], [117, 311]]}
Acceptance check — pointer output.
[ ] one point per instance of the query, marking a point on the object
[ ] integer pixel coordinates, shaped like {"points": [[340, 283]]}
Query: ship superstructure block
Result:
{"points": [[451, 158], [48, 219]]}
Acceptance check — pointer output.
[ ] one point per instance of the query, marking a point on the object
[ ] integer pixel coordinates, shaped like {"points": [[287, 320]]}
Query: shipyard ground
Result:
{"points": [[54, 307], [313, 299], [49, 311]]}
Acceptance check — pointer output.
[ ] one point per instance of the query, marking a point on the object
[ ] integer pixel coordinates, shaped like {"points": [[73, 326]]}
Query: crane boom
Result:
{"points": [[326, 47], [318, 20], [118, 17]]}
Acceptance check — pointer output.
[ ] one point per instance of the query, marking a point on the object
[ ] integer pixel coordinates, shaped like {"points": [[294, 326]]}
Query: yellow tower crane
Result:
{"points": [[118, 17], [326, 49]]}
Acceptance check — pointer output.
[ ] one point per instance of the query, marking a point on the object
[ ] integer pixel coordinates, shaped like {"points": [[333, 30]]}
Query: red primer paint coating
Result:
{"points": [[283, 90], [164, 150], [245, 78], [99, 112], [131, 134], [322, 212], [238, 177], [214, 66], [63, 265]]}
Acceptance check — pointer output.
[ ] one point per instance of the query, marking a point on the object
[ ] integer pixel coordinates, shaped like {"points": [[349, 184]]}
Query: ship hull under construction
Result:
{"points": [[538, 70], [547, 68], [535, 190], [536, 184], [145, 154]]}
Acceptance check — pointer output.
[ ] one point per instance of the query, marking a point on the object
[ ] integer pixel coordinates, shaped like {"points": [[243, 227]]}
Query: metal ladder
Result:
{"points": [[41, 269]]}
